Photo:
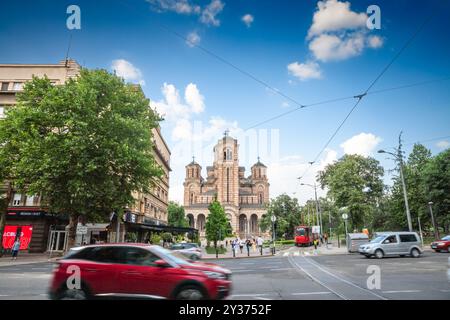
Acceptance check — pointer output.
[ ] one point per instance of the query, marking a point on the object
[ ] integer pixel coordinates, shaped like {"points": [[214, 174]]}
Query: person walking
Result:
{"points": [[260, 242], [15, 249], [248, 244], [241, 245]]}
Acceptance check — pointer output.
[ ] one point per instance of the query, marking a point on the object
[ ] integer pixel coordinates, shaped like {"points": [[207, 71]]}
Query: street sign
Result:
{"points": [[315, 229], [81, 229], [345, 216], [273, 218]]}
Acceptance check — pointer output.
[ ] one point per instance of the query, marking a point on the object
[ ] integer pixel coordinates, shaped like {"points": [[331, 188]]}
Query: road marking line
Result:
{"points": [[262, 298], [296, 254], [286, 254], [310, 293], [402, 291], [250, 295]]}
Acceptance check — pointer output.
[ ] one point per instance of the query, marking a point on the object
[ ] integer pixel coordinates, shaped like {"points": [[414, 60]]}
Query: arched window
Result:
{"points": [[227, 154]]}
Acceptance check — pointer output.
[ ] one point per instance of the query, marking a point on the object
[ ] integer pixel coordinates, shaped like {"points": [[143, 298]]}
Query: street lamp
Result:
{"points": [[436, 231], [400, 160], [273, 218], [318, 211]]}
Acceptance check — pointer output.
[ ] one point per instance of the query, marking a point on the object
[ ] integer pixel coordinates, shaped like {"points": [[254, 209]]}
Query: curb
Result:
{"points": [[244, 257]]}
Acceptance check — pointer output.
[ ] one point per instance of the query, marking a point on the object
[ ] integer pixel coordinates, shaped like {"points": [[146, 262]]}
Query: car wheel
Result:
{"points": [[367, 256], [190, 293], [379, 254], [73, 294], [193, 257], [415, 253], [402, 256]]}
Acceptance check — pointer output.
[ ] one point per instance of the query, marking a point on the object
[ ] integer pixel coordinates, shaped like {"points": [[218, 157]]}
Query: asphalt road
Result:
{"points": [[327, 277]]}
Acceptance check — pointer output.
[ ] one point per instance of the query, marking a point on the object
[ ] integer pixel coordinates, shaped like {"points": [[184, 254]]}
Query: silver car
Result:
{"points": [[190, 250], [392, 244]]}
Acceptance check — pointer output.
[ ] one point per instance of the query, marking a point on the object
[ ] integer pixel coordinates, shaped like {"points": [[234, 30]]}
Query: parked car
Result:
{"points": [[442, 245], [190, 250], [392, 244], [137, 271]]}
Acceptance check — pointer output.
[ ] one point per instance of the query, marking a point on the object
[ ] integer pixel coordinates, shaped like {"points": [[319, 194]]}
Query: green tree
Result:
{"points": [[85, 146], [288, 213], [176, 215], [354, 182], [216, 227], [413, 171], [436, 179]]}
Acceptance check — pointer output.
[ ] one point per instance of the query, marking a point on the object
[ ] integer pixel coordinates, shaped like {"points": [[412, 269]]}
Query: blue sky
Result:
{"points": [[307, 50]]}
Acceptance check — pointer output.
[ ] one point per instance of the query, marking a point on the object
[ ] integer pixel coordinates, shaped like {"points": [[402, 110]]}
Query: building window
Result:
{"points": [[5, 86], [16, 199], [17, 86], [30, 200]]}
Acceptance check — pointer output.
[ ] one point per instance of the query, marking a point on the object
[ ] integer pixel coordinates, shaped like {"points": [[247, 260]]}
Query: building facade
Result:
{"points": [[27, 215], [30, 213], [243, 198]]}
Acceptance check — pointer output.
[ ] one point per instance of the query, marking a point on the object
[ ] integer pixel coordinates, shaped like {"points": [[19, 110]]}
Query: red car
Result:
{"points": [[442, 245], [136, 271]]}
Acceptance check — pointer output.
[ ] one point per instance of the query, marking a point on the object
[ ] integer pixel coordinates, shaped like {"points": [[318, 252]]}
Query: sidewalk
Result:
{"points": [[229, 254], [26, 258]]}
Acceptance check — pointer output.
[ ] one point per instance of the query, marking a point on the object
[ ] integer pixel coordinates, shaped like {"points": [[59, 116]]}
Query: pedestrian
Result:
{"points": [[326, 238], [241, 245], [321, 239], [248, 243], [260, 244], [226, 243], [316, 242], [15, 249]]}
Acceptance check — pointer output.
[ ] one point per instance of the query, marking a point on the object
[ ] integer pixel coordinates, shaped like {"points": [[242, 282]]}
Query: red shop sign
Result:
{"points": [[9, 235]]}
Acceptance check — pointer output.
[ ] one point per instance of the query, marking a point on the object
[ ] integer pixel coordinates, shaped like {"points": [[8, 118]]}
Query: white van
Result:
{"points": [[392, 244]]}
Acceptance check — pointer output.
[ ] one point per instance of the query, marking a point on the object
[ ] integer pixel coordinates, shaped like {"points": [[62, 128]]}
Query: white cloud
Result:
{"points": [[283, 175], [194, 99], [305, 71], [362, 144], [444, 144], [178, 6], [331, 47], [128, 71], [171, 107], [375, 42], [333, 15], [210, 12], [248, 19], [193, 39]]}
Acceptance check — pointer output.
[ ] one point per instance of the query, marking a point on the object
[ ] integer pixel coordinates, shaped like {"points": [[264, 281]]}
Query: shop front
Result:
{"points": [[32, 226]]}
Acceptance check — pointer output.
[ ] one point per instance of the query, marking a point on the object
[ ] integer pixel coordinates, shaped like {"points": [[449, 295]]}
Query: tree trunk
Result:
{"points": [[3, 210], [73, 222], [215, 247]]}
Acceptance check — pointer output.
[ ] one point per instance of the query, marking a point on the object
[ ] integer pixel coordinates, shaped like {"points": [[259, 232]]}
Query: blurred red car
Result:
{"points": [[136, 271], [442, 245]]}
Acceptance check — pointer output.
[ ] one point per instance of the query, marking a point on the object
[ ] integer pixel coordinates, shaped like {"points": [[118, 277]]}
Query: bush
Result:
{"points": [[212, 250], [155, 239], [167, 237]]}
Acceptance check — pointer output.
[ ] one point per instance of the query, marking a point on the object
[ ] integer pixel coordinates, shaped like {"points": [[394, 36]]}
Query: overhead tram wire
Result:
{"points": [[406, 86], [361, 96], [273, 89]]}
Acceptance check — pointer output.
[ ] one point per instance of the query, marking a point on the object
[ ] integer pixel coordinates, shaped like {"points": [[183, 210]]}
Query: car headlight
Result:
{"points": [[214, 275]]}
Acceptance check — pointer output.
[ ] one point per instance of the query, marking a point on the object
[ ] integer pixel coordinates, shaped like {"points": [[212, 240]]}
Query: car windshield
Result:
{"points": [[300, 231], [377, 239], [446, 238], [173, 256]]}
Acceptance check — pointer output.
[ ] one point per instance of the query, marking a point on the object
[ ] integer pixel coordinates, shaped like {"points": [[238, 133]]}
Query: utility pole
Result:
{"points": [[399, 158], [436, 231]]}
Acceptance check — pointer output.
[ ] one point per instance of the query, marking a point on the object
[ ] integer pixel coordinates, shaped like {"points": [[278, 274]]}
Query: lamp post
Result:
{"points": [[405, 195], [273, 218], [318, 211], [436, 231]]}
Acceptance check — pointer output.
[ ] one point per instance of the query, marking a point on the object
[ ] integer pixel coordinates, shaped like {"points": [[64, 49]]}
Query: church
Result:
{"points": [[243, 198]]}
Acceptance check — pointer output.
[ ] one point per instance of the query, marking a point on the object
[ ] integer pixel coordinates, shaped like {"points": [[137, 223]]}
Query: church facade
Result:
{"points": [[244, 198]]}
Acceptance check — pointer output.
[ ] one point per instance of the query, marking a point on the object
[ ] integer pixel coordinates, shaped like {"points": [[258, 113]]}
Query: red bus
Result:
{"points": [[303, 236]]}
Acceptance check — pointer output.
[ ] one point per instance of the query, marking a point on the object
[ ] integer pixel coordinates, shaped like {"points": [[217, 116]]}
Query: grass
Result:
{"points": [[212, 250]]}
